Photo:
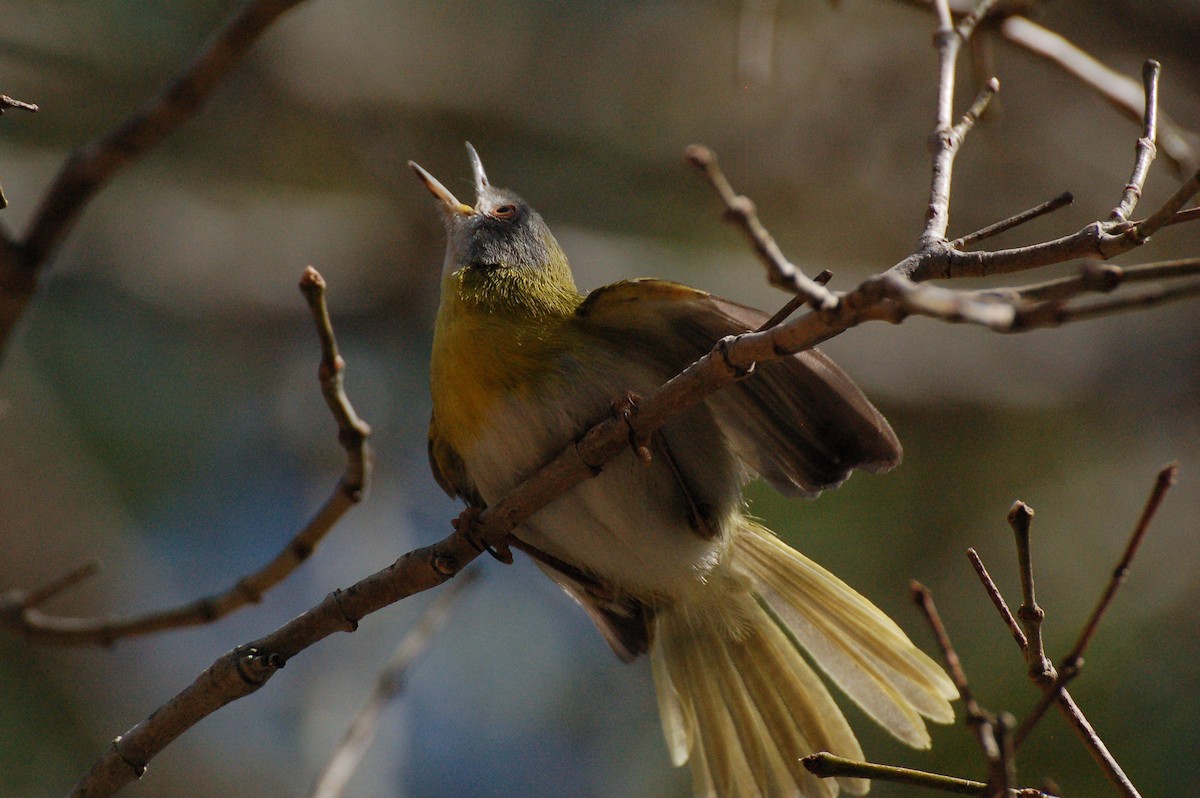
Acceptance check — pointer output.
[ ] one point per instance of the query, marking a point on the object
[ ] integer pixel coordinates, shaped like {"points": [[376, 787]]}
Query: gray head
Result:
{"points": [[500, 232]]}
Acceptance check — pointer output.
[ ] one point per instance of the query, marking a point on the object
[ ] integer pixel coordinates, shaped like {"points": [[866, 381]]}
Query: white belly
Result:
{"points": [[630, 524]]}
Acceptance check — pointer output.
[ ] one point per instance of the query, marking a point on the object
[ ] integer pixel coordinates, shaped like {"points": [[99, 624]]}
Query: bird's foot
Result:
{"points": [[467, 525], [625, 408]]}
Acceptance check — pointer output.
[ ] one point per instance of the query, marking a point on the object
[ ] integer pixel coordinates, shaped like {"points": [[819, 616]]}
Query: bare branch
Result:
{"points": [[947, 137], [1169, 210], [1145, 150], [980, 721], [997, 598], [740, 209], [826, 765], [1072, 662], [1049, 206], [91, 166], [1122, 92], [18, 610], [247, 668], [6, 103], [1020, 518], [389, 685]]}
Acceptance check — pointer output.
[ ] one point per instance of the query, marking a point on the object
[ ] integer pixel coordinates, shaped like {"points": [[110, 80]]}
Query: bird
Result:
{"points": [[658, 547]]}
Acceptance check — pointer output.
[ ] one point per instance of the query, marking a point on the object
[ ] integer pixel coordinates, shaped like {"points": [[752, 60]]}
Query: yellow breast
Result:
{"points": [[483, 356]]}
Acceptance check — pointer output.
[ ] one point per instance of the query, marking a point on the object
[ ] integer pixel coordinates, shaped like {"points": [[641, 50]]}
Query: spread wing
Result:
{"points": [[800, 422]]}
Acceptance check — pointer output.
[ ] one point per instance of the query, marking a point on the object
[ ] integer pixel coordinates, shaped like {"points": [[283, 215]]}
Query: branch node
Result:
{"points": [[255, 667]]}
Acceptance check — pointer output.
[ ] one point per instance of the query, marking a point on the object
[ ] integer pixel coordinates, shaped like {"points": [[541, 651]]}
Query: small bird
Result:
{"points": [[657, 547]]}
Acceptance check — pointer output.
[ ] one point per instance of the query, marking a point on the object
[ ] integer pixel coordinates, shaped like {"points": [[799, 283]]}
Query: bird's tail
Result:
{"points": [[741, 703]]}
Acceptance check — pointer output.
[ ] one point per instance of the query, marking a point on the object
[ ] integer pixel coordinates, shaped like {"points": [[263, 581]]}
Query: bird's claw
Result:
{"points": [[467, 525], [625, 408]]}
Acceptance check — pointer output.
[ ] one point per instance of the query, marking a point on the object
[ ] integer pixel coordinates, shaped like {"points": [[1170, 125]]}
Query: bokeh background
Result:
{"points": [[159, 410]]}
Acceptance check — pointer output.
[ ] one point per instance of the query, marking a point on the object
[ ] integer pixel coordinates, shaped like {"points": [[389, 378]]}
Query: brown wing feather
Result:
{"points": [[800, 422]]}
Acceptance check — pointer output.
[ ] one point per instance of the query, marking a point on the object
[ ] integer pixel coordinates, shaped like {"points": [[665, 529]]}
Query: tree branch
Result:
{"points": [[19, 609], [6, 103], [826, 765], [91, 166], [1121, 91], [1041, 671], [1071, 664], [740, 209], [389, 685]]}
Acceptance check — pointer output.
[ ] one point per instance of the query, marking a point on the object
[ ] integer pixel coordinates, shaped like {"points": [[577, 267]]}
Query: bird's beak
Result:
{"points": [[481, 181], [449, 201]]}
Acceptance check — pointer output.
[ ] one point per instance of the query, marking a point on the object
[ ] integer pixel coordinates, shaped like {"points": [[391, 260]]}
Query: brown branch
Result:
{"points": [[740, 209], [826, 766], [1145, 149], [18, 609], [91, 166], [6, 103], [246, 668], [1041, 671], [982, 723], [946, 139], [389, 685], [997, 598], [1049, 206], [1020, 518], [1122, 92], [1071, 664]]}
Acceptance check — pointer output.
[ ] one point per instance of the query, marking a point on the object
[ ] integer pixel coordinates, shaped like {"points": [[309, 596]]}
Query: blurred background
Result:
{"points": [[159, 408]]}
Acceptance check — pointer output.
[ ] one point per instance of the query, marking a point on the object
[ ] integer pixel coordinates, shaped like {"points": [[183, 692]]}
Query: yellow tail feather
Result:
{"points": [[741, 703]]}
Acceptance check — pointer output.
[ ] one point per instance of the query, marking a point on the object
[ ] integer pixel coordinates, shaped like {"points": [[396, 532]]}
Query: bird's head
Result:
{"points": [[500, 252]]}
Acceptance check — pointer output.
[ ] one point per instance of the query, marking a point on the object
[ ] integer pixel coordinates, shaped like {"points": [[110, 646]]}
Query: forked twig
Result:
{"points": [[1071, 664]]}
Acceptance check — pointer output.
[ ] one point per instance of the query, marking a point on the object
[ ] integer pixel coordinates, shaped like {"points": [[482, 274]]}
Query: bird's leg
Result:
{"points": [[699, 516], [467, 525], [624, 408]]}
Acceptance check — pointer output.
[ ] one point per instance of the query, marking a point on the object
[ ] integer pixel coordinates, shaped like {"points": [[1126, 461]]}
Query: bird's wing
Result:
{"points": [[800, 421], [449, 470]]}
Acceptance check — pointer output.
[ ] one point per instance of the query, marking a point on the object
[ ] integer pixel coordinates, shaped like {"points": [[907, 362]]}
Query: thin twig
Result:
{"points": [[389, 685], [91, 166], [1054, 314], [21, 615], [1121, 91], [740, 209], [979, 720], [22, 600], [826, 765], [1020, 518], [1041, 671], [1145, 149], [1168, 211], [6, 103], [1093, 277], [997, 598], [1049, 206], [947, 137], [1071, 664]]}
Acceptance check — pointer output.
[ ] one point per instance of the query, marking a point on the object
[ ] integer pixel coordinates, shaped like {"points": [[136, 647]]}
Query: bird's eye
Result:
{"points": [[505, 212]]}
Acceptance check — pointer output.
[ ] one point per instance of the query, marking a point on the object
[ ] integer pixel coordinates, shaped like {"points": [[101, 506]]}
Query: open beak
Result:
{"points": [[481, 181], [451, 203]]}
